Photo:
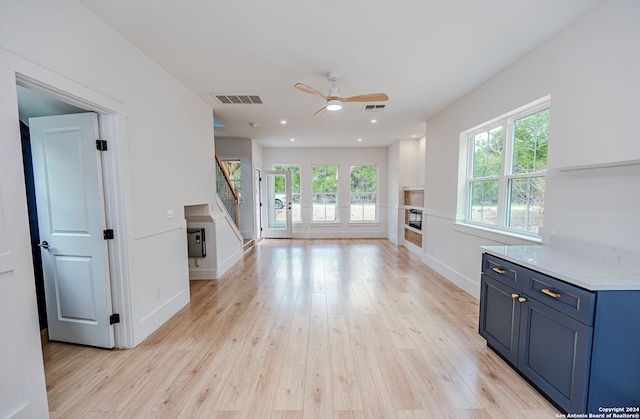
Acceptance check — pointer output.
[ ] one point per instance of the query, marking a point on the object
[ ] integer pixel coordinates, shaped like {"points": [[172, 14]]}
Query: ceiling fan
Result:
{"points": [[334, 100]]}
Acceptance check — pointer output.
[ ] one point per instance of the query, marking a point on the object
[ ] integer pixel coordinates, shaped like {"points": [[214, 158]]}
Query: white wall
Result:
{"points": [[591, 72], [22, 384], [344, 158], [405, 168], [165, 148]]}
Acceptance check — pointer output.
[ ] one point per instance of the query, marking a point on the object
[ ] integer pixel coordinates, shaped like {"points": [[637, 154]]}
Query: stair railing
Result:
{"points": [[227, 191]]}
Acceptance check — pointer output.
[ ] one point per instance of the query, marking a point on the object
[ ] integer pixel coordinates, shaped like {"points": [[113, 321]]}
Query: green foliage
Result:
{"points": [[530, 143], [364, 178], [325, 179], [525, 191], [295, 179], [487, 153]]}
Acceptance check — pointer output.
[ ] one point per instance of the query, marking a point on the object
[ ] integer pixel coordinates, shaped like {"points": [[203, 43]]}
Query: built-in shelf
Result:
{"points": [[413, 203]]}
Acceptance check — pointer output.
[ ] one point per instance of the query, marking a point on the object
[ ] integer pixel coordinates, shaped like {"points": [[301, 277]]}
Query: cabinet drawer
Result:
{"points": [[503, 271], [573, 301]]}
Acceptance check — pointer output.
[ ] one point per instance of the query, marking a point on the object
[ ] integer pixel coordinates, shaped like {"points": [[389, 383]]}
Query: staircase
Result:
{"points": [[230, 197], [248, 245]]}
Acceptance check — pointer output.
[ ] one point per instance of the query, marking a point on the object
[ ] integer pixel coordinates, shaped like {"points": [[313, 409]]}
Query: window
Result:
{"points": [[506, 174], [295, 190], [325, 193], [364, 186]]}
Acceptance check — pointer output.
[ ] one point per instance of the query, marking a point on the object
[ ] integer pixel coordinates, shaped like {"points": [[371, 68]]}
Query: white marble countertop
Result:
{"points": [[590, 268]]}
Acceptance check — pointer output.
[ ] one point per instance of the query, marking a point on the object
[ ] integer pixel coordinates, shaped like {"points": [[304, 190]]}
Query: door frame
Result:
{"points": [[264, 207], [112, 126]]}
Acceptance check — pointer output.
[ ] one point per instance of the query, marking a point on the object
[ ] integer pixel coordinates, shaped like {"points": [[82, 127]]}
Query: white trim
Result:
{"points": [[225, 265], [113, 115], [203, 274], [156, 229], [468, 285], [465, 169], [412, 247], [493, 234]]}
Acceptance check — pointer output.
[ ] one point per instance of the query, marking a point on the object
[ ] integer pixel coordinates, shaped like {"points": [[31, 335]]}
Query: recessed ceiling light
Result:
{"points": [[413, 136], [283, 122], [292, 139], [359, 139], [373, 121]]}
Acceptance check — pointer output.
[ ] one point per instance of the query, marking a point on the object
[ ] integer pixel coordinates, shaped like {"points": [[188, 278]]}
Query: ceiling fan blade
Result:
{"points": [[373, 97], [308, 89], [321, 112]]}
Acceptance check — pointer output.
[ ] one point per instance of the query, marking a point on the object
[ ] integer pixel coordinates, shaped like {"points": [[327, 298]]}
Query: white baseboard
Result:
{"points": [[470, 287], [207, 274], [225, 265], [152, 321], [339, 235]]}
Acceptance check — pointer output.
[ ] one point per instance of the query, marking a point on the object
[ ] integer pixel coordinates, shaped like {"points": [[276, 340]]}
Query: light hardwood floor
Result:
{"points": [[303, 329]]}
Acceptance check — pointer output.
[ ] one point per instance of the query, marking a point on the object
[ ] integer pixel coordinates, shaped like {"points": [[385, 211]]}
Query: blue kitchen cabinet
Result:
{"points": [[580, 348], [500, 318]]}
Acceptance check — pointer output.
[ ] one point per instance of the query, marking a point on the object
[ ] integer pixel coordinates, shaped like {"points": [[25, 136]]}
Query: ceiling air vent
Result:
{"points": [[238, 99], [373, 108]]}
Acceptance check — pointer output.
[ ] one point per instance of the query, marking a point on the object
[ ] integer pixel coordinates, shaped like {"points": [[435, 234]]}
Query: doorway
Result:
{"points": [[275, 190], [34, 100], [34, 104]]}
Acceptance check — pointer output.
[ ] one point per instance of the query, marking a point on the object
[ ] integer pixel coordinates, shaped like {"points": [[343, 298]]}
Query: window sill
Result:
{"points": [[493, 234]]}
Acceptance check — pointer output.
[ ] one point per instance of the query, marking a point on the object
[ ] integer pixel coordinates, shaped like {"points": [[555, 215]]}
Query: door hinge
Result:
{"points": [[101, 145], [108, 234], [114, 318]]}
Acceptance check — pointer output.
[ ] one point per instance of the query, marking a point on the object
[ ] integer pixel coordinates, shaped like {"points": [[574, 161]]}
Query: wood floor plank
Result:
{"points": [[347, 393], [301, 329], [318, 400], [290, 393]]}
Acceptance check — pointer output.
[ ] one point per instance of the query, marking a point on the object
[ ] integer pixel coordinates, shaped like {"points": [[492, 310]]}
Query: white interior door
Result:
{"points": [[71, 216], [275, 189]]}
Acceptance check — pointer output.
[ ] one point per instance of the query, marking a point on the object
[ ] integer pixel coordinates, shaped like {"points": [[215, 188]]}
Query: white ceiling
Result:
{"points": [[425, 54]]}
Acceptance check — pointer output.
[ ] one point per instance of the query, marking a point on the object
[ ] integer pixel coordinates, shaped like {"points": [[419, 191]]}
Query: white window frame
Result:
{"points": [[505, 176], [377, 212], [337, 195]]}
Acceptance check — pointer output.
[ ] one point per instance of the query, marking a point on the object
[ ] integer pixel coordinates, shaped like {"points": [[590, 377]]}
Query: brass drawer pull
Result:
{"points": [[522, 299], [549, 293], [498, 270]]}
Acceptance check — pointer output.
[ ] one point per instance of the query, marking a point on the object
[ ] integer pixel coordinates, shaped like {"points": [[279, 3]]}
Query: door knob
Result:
{"points": [[44, 245]]}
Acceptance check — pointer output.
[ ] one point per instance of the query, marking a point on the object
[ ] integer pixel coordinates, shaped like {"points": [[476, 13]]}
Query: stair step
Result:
{"points": [[247, 245]]}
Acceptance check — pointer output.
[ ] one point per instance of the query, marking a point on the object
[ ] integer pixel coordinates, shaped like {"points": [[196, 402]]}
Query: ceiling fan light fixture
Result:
{"points": [[334, 105]]}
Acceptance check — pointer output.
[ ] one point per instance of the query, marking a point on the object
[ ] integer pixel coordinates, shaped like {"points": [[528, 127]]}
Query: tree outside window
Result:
{"points": [[325, 193], [507, 165], [364, 186]]}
